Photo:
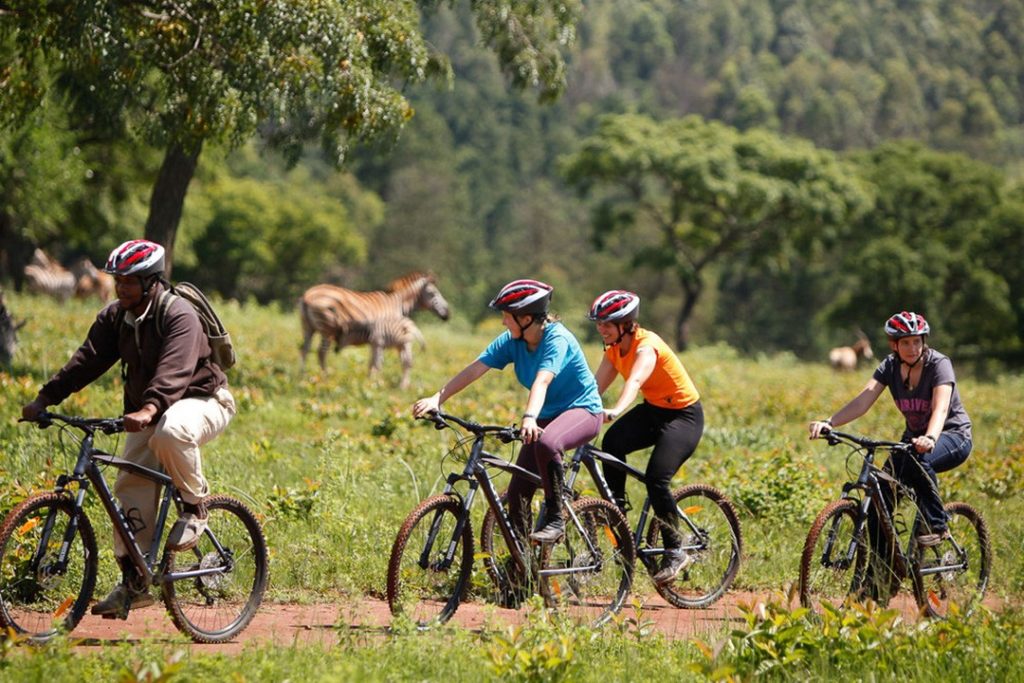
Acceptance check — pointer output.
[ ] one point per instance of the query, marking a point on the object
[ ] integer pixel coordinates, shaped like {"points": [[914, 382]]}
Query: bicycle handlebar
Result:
{"points": [[834, 437], [441, 420], [106, 425]]}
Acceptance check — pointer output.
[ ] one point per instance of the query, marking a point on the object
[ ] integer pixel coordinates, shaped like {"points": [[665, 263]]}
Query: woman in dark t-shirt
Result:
{"points": [[923, 386]]}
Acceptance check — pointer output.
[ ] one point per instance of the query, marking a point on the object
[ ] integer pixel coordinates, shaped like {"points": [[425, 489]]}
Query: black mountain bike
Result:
{"points": [[839, 559], [586, 575], [48, 556], [708, 523]]}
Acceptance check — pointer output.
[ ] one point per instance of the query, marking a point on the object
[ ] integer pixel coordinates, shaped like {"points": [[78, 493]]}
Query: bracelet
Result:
{"points": [[931, 438], [526, 415], [828, 421]]}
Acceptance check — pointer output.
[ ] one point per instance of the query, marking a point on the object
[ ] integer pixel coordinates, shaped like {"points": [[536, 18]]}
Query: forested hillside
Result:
{"points": [[772, 175]]}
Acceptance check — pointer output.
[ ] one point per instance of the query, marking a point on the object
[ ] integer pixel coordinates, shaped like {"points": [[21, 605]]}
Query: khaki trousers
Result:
{"points": [[172, 444]]}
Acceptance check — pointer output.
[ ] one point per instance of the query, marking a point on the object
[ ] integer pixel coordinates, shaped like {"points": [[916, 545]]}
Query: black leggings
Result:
{"points": [[674, 435]]}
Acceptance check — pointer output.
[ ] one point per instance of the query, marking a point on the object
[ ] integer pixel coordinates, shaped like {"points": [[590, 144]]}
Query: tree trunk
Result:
{"points": [[168, 198], [691, 294]]}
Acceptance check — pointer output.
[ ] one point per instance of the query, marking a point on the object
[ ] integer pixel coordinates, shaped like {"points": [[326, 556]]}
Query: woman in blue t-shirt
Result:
{"points": [[923, 386], [563, 409]]}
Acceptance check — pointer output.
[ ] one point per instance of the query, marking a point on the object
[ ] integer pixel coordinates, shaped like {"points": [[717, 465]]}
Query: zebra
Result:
{"points": [[397, 332], [335, 311], [45, 276]]}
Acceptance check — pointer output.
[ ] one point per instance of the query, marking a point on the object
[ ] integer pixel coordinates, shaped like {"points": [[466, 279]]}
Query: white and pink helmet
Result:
{"points": [[906, 324], [523, 297], [136, 257], [615, 306]]}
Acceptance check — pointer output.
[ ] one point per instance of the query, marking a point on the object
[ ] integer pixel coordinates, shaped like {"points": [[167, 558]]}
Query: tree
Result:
{"points": [[182, 74], [704, 191]]}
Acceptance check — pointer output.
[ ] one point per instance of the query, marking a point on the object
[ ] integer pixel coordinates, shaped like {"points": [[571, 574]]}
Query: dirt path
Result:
{"points": [[323, 624], [287, 624]]}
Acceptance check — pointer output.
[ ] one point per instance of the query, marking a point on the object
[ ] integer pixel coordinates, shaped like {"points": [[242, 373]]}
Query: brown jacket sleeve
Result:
{"points": [[94, 357]]}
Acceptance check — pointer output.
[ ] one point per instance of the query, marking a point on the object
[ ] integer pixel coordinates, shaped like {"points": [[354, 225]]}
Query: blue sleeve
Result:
{"points": [[497, 354]]}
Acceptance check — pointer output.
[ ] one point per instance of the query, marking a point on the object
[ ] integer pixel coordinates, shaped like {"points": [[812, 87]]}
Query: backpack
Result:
{"points": [[220, 341]]}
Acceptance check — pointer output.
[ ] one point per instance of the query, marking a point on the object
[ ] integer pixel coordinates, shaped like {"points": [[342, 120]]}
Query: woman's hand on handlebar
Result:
{"points": [[819, 428], [530, 431], [430, 404]]}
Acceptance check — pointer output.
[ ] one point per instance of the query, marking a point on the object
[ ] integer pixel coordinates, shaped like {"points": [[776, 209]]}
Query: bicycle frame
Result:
{"points": [[87, 472], [869, 482], [475, 474], [588, 456]]}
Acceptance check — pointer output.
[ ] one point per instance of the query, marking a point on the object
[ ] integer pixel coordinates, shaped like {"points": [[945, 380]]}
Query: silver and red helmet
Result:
{"points": [[615, 306], [906, 324], [523, 297], [136, 257]]}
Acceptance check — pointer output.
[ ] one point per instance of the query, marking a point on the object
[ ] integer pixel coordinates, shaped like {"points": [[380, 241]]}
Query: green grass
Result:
{"points": [[333, 463]]}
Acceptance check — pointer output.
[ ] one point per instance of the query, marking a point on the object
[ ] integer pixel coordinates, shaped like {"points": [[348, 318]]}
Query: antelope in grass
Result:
{"points": [[845, 358], [344, 316]]}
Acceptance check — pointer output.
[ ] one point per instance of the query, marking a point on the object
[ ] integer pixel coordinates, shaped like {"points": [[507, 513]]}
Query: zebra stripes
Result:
{"points": [[387, 333], [43, 275], [346, 317]]}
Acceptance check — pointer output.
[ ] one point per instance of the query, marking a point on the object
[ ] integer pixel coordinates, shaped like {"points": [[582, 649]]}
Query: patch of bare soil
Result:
{"points": [[324, 624]]}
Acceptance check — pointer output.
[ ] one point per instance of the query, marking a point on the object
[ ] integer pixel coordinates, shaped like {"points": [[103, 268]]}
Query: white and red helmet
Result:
{"points": [[615, 306], [523, 297], [906, 324], [136, 257]]}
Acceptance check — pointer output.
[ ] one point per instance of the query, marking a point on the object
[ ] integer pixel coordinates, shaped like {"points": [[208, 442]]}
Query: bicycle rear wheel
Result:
{"points": [[217, 605], [835, 556], [587, 575], [952, 576], [422, 582], [711, 535], [42, 595]]}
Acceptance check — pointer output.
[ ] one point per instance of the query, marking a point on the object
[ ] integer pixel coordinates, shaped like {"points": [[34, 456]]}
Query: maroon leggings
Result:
{"points": [[572, 428]]}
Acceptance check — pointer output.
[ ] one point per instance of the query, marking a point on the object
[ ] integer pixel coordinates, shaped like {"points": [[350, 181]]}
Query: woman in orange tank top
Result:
{"points": [[670, 418]]}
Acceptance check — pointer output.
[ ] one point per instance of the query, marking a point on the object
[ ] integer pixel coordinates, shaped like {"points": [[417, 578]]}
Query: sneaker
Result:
{"points": [[932, 540], [552, 532], [672, 562], [117, 603], [186, 532]]}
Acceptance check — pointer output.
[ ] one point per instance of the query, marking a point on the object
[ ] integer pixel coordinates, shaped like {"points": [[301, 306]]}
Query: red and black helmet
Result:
{"points": [[523, 297], [615, 306], [906, 324], [136, 257]]}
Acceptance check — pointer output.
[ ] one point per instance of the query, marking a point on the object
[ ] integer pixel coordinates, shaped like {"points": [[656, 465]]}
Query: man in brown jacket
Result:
{"points": [[175, 401]]}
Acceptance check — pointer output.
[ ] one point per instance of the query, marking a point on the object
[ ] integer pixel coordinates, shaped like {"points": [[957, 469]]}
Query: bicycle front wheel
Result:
{"points": [[47, 567], [587, 575], [835, 555], [231, 571], [711, 536], [431, 561], [952, 576]]}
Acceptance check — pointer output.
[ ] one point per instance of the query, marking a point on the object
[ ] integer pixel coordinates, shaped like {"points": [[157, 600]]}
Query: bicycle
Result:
{"points": [[48, 555], [708, 522], [839, 560], [586, 575]]}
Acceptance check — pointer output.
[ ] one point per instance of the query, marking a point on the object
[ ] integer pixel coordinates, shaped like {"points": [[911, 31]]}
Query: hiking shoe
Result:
{"points": [[672, 562], [552, 532], [932, 540], [117, 603], [186, 532]]}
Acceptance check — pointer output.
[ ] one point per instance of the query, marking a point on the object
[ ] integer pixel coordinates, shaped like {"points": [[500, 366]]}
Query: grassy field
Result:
{"points": [[333, 463]]}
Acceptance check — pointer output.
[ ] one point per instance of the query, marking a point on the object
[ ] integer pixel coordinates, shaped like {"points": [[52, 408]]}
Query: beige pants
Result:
{"points": [[172, 444]]}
